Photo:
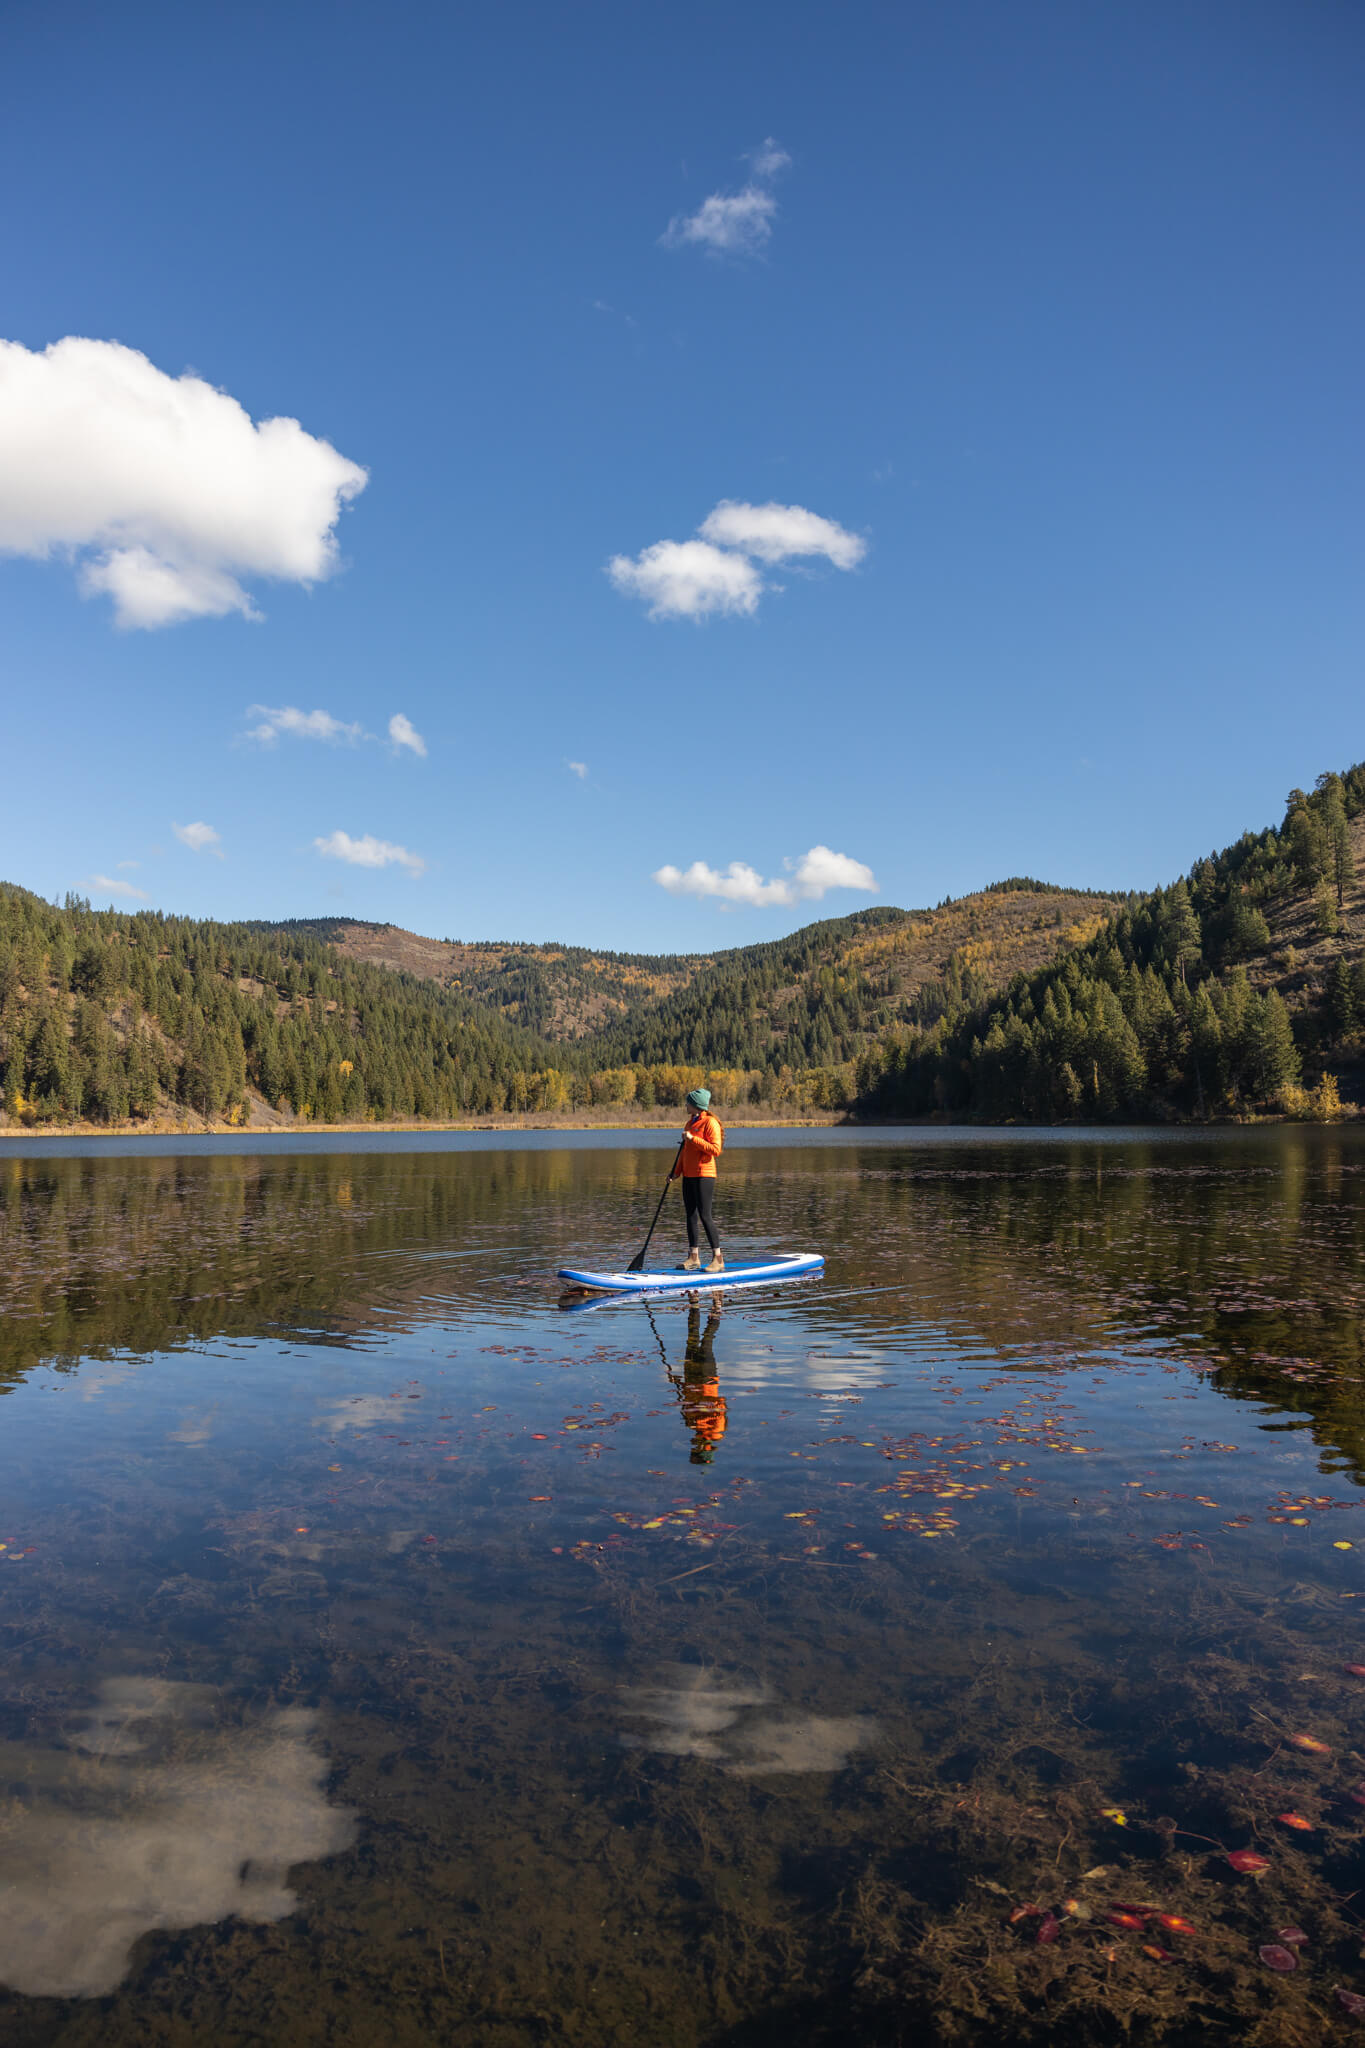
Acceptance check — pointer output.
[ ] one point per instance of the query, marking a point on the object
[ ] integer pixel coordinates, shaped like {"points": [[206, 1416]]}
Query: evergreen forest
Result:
{"points": [[1229, 991]]}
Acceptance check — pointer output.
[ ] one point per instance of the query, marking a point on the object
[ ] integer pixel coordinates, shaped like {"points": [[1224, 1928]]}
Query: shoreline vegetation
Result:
{"points": [[1237, 993]]}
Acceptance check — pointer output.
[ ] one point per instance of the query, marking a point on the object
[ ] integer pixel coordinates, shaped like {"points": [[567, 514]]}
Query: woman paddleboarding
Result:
{"points": [[703, 1142]]}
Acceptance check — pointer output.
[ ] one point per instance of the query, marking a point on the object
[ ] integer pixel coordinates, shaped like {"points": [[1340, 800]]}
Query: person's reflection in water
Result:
{"points": [[698, 1384]]}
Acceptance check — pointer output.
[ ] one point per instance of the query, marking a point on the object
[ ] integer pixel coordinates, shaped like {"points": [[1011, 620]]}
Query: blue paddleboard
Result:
{"points": [[672, 1280]]}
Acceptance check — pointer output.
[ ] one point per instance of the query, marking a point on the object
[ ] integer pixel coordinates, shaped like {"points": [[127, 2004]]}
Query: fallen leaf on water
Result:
{"points": [[1354, 1670], [1158, 1955], [1018, 1913], [1295, 1820], [1351, 2002], [1291, 1936], [1134, 1922], [1174, 1924], [1248, 1862], [1049, 1927], [1116, 1814], [1310, 1745], [1276, 1957]]}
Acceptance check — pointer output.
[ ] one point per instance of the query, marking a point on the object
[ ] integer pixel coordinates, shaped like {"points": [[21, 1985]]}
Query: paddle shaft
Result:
{"points": [[637, 1263]]}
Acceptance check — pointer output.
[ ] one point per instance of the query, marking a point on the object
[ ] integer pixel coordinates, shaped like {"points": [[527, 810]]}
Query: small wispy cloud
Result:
{"points": [[301, 725], [578, 768], [403, 733], [716, 574], [108, 886], [130, 863], [369, 852], [614, 312], [807, 880], [200, 838], [734, 223]]}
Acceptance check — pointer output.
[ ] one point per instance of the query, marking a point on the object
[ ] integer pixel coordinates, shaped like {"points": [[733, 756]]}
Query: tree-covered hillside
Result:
{"points": [[105, 1015], [1200, 999], [1024, 1001]]}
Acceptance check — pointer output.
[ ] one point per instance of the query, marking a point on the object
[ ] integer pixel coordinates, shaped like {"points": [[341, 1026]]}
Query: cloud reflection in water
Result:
{"points": [[155, 1816]]}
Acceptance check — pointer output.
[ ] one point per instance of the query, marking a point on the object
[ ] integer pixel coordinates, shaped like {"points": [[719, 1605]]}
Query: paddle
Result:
{"points": [[637, 1264]]}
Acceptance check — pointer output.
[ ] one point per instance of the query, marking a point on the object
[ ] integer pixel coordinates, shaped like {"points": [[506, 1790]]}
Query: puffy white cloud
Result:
{"points": [[578, 768], [199, 838], [691, 579], [164, 489], [778, 533], [734, 223], [404, 733], [108, 886], [369, 852], [301, 725], [807, 880], [688, 579]]}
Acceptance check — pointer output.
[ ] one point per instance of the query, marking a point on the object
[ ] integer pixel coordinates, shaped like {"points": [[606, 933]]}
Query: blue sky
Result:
{"points": [[1051, 321]]}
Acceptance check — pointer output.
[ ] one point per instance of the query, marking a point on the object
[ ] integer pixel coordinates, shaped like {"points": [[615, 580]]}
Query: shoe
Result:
{"points": [[692, 1263], [717, 1264]]}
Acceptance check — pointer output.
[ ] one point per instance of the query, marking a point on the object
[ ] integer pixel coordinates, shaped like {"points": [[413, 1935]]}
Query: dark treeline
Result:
{"points": [[105, 1016], [1158, 1015]]}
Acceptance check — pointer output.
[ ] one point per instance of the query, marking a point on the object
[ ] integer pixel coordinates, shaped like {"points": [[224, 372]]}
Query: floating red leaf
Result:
{"points": [[1248, 1862], [1049, 1927], [1295, 1820], [1277, 1957]]}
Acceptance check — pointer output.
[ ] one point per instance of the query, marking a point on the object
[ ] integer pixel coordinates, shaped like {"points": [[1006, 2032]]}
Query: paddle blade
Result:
{"points": [[637, 1264]]}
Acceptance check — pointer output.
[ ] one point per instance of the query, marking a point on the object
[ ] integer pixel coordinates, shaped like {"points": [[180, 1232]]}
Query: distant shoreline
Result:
{"points": [[198, 1127]]}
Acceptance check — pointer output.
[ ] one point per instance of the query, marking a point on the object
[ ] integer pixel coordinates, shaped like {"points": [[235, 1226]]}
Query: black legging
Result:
{"points": [[699, 1192]]}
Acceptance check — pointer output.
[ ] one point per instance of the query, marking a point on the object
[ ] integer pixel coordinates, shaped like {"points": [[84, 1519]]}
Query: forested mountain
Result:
{"points": [[563, 992], [1203, 998], [1022, 1001], [105, 1015]]}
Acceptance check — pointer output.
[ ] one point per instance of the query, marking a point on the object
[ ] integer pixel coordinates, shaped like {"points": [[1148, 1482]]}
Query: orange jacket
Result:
{"points": [[703, 1143], [704, 1411]]}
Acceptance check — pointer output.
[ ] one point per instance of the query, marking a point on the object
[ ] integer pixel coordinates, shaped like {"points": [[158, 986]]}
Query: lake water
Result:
{"points": [[390, 1654]]}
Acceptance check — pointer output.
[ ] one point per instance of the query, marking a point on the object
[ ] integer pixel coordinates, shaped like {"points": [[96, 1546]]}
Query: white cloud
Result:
{"points": [[404, 733], [369, 852], [130, 863], [807, 880], [691, 579], [199, 838], [161, 488], [770, 159], [107, 886], [778, 533], [688, 579], [301, 725], [578, 768], [734, 223]]}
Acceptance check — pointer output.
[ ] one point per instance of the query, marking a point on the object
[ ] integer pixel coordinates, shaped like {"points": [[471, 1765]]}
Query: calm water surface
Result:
{"points": [[390, 1654]]}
